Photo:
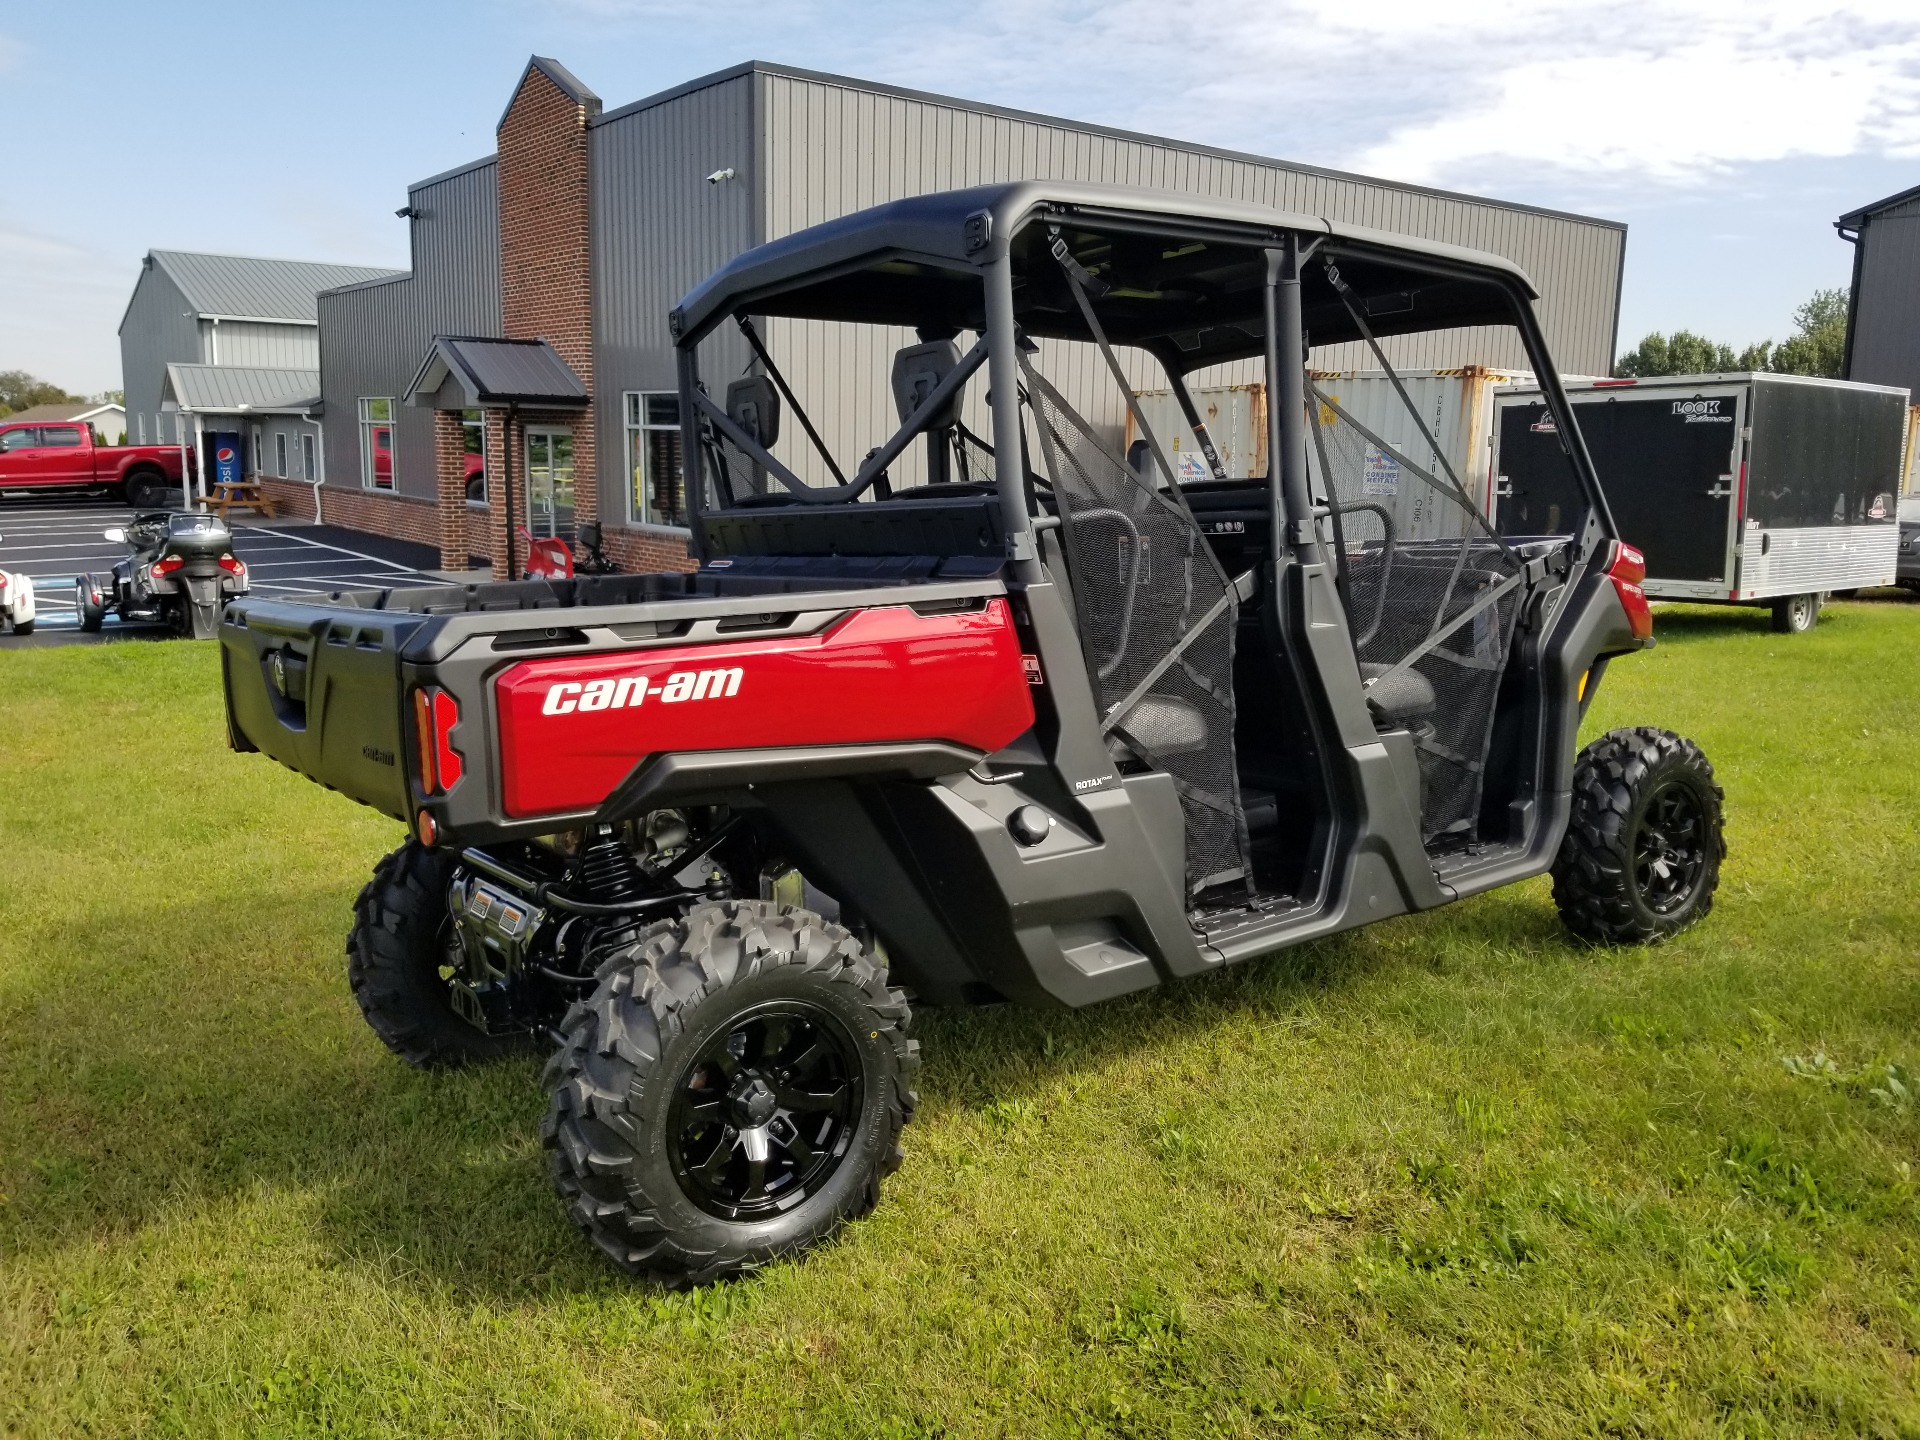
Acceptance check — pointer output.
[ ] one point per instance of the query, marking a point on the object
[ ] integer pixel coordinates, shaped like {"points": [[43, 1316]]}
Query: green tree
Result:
{"points": [[1685, 353], [1818, 345], [18, 390], [112, 397]]}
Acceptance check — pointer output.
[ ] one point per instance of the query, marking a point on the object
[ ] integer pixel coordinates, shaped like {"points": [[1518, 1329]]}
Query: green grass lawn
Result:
{"points": [[1450, 1175]]}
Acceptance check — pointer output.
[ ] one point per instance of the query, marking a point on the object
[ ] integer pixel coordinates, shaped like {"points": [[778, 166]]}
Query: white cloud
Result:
{"points": [[1673, 91]]}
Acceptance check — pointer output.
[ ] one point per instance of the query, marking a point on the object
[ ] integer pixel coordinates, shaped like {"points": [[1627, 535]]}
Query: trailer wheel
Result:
{"points": [[397, 959], [1796, 614], [23, 627], [732, 1091], [1641, 857]]}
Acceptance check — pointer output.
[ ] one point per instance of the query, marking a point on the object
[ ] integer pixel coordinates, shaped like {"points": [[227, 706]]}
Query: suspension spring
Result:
{"points": [[608, 867]]}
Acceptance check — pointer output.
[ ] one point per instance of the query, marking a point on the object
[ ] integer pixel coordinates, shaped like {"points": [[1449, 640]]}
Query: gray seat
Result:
{"points": [[1403, 697]]}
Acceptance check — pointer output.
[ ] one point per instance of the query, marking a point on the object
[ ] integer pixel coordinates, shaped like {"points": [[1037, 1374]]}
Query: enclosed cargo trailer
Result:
{"points": [[1455, 405], [1738, 488]]}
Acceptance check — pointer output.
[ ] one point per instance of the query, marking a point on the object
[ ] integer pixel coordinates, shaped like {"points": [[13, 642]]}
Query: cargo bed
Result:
{"points": [[517, 708]]}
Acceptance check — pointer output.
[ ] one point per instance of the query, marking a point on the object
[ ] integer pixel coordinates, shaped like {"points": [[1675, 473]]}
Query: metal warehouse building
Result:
{"points": [[586, 226], [1883, 316]]}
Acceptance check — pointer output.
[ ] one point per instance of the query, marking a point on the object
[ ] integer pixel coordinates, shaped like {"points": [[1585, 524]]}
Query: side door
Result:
{"points": [[67, 458], [20, 455]]}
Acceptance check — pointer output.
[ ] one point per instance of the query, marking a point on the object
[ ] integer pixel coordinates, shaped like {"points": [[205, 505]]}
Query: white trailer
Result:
{"points": [[1738, 488]]}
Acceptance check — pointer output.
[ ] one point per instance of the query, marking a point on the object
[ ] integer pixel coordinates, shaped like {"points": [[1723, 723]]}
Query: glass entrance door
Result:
{"points": [[550, 483]]}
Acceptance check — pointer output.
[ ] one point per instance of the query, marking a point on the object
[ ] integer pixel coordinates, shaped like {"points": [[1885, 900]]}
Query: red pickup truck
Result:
{"points": [[68, 455]]}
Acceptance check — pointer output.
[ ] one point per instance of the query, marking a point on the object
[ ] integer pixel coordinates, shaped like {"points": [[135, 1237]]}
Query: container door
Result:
{"points": [[1535, 492], [1669, 462]]}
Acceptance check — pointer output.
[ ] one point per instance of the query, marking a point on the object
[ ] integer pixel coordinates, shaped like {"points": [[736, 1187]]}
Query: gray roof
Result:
{"points": [[245, 288], [564, 80], [66, 410], [1853, 218], [236, 389], [465, 371]]}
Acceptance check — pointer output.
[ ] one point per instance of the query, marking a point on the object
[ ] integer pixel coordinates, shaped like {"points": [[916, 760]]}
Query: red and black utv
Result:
{"points": [[990, 714]]}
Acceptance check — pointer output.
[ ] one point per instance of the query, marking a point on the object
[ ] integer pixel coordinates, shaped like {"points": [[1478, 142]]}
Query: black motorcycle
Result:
{"points": [[182, 571]]}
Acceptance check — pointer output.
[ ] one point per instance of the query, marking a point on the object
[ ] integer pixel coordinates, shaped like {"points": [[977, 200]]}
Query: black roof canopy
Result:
{"points": [[467, 372], [1185, 272]]}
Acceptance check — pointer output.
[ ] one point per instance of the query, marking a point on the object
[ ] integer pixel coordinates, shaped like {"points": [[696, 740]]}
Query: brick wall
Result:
{"points": [[406, 517]]}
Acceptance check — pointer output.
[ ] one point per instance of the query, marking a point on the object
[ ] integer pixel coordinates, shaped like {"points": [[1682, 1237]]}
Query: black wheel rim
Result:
{"points": [[1670, 847], [766, 1112]]}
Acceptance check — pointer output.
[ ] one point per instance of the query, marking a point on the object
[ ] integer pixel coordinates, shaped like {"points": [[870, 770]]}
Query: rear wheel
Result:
{"points": [[1795, 614], [400, 957], [733, 1090], [92, 604], [1641, 857], [143, 490], [23, 627]]}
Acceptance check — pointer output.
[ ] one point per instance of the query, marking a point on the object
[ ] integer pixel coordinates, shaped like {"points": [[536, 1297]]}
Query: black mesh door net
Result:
{"points": [[1156, 619]]}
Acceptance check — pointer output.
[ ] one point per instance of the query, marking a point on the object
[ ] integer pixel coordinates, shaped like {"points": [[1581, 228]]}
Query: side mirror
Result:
{"points": [[115, 534]]}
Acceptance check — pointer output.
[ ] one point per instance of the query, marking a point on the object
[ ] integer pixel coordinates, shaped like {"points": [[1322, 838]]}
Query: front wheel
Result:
{"points": [[1795, 614], [1641, 857], [733, 1090]]}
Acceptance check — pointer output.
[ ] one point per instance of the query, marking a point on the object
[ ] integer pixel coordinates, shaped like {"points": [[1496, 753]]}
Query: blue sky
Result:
{"points": [[1728, 136]]}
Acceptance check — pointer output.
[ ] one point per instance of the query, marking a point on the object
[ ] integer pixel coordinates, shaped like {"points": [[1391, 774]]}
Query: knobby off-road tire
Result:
{"points": [[746, 1018], [400, 941], [1641, 857]]}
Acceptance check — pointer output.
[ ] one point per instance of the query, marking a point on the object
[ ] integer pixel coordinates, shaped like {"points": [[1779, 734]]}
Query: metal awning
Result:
{"points": [[239, 390], [466, 372]]}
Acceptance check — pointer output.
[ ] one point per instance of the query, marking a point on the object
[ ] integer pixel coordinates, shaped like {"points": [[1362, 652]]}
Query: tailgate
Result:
{"points": [[320, 690]]}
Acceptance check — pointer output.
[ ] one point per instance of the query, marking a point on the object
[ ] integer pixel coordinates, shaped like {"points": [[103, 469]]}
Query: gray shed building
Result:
{"points": [[224, 311], [1883, 314], [587, 225]]}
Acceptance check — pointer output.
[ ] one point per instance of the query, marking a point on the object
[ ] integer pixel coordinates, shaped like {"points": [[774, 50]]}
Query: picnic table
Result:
{"points": [[238, 494]]}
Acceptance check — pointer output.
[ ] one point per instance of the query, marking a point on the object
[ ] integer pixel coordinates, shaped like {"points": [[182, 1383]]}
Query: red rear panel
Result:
{"points": [[572, 728]]}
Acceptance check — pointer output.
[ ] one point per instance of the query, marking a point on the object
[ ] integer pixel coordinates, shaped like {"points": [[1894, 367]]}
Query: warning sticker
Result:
{"points": [[1191, 467], [1381, 473]]}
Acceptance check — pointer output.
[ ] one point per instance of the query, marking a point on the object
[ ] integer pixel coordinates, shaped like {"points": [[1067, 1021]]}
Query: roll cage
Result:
{"points": [[1192, 281]]}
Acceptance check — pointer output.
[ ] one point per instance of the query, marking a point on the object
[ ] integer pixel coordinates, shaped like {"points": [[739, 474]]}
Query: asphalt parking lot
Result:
{"points": [[53, 540]]}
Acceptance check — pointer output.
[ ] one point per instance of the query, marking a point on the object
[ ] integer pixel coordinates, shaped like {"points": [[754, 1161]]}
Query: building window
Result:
{"points": [[659, 493], [259, 453], [308, 470], [376, 444], [280, 452], [140, 423], [473, 437]]}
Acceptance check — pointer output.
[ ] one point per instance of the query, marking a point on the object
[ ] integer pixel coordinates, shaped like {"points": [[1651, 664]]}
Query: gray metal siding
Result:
{"points": [[658, 228], [156, 332], [834, 148], [1886, 328], [373, 337], [269, 347]]}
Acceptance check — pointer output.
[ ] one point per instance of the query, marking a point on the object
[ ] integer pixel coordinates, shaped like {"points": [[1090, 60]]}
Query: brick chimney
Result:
{"points": [[546, 289]]}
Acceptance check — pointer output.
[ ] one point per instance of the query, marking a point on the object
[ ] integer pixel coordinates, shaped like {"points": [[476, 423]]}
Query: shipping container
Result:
{"points": [[1738, 488], [1456, 407]]}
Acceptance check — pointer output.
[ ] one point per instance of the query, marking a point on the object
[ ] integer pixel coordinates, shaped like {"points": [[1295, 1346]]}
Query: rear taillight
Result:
{"points": [[166, 565], [233, 565], [1627, 569], [435, 714]]}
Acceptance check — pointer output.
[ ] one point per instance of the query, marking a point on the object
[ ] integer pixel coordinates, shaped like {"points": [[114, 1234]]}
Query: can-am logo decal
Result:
{"points": [[571, 696], [1700, 412]]}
